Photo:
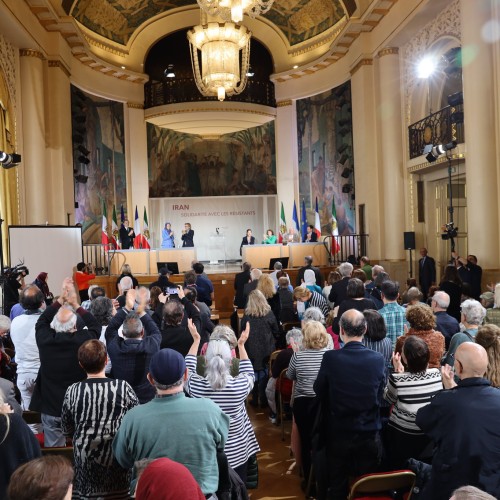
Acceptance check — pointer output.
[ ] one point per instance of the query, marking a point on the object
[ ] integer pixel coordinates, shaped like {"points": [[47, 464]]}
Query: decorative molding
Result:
{"points": [[282, 104], [363, 62], [8, 67], [112, 49], [31, 53], [61, 65], [209, 110], [416, 169], [388, 51], [321, 39], [135, 105]]}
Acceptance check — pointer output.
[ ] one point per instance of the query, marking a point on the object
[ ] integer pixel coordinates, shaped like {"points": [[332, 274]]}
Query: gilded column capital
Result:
{"points": [[61, 65], [367, 61], [31, 53], [282, 104], [388, 51], [135, 105]]}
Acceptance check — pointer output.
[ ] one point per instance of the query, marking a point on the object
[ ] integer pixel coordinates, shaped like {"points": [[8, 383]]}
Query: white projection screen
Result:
{"points": [[55, 250]]}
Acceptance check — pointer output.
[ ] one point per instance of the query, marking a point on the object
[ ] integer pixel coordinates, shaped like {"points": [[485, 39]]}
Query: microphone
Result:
{"points": [[217, 230], [9, 161]]}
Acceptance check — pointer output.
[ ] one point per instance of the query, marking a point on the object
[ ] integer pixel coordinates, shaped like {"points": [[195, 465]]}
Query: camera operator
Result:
{"points": [[84, 274], [14, 283]]}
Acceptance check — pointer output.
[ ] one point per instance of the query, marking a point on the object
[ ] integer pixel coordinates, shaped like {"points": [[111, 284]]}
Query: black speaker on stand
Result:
{"points": [[409, 242]]}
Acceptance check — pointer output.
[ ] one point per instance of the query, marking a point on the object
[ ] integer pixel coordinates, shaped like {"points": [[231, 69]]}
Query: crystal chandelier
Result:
{"points": [[233, 10], [220, 44]]}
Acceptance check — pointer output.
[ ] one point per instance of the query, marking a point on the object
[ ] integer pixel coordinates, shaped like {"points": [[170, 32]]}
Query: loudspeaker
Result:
{"points": [[409, 238]]}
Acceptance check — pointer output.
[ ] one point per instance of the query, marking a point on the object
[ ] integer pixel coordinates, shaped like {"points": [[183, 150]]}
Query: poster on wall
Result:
{"points": [[237, 164], [326, 165], [98, 160]]}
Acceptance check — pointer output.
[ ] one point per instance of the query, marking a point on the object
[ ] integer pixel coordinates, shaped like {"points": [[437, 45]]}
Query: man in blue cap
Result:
{"points": [[186, 430]]}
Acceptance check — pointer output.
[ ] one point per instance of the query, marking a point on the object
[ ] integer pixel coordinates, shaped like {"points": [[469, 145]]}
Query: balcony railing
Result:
{"points": [[184, 90], [442, 127], [345, 248]]}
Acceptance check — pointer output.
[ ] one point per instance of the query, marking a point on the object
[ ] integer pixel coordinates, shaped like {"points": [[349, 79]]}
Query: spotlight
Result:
{"points": [[342, 148], [250, 72], [436, 151], [347, 188], [169, 72], [346, 173], [9, 160], [82, 179], [83, 159], [426, 67], [83, 150], [456, 99], [343, 159]]}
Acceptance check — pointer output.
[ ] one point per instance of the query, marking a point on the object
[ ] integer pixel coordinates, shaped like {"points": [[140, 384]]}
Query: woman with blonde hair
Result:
{"points": [[489, 337], [304, 367], [266, 286], [262, 343]]}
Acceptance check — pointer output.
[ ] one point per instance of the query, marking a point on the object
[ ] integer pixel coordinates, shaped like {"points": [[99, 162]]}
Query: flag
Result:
{"points": [[115, 233], [304, 221], [335, 229], [282, 224], [122, 215], [295, 219], [104, 233], [145, 231], [317, 221], [137, 230]]}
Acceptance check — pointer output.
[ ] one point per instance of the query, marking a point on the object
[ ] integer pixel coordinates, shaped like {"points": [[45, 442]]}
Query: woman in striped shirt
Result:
{"points": [[228, 392], [409, 390], [304, 367]]}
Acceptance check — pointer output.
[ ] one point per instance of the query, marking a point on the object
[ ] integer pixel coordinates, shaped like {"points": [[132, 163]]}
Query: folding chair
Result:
{"points": [[284, 387], [382, 485]]}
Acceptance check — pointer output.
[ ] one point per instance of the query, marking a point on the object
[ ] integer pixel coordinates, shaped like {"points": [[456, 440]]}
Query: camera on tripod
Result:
{"points": [[449, 231]]}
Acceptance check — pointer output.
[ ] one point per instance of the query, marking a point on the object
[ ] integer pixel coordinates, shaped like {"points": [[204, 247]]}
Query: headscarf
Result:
{"points": [[41, 283], [309, 277], [164, 479]]}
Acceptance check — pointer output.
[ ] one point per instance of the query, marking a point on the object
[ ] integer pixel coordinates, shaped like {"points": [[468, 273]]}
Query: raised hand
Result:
{"points": [[396, 362], [448, 376], [244, 335], [130, 299]]}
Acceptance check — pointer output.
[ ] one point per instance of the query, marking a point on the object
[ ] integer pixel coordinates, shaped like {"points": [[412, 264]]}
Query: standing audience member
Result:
{"points": [[350, 386], [278, 266], [452, 285], [376, 335], [338, 293], [462, 421], [308, 261], [333, 277], [446, 324], [471, 273], [127, 271], [255, 274], [204, 286], [394, 315], [261, 344], [422, 323], [240, 280], [229, 393], [374, 289], [94, 292], [83, 275], [103, 311], [426, 272], [58, 337], [266, 286], [303, 369], [493, 314], [125, 285], [409, 390], [413, 297], [44, 478], [17, 444], [187, 430], [489, 337], [91, 414], [131, 354], [41, 283], [309, 281], [365, 266], [287, 309], [174, 334]]}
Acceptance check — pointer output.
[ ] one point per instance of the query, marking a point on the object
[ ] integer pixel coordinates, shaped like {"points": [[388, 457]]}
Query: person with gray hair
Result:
{"points": [[413, 296], [58, 337], [471, 493], [338, 292], [125, 285], [473, 314], [308, 261], [130, 356], [255, 274], [446, 324], [278, 266], [228, 392], [94, 292], [313, 314]]}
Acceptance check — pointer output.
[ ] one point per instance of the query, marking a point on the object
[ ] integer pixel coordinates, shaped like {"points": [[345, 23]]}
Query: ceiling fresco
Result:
{"points": [[116, 20]]}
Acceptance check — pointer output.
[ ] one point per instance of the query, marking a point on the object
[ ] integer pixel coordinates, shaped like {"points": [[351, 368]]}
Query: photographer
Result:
{"points": [[14, 283], [84, 274]]}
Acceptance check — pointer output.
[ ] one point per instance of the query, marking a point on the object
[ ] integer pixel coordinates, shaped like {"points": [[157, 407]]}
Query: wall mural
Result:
{"points": [[98, 160], [326, 167], [242, 163]]}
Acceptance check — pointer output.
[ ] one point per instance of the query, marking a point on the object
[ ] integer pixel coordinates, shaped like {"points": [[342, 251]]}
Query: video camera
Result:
{"points": [[449, 231], [16, 271]]}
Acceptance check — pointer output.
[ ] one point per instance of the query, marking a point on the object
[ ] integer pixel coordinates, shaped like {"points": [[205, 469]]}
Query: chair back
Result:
{"points": [[65, 451], [375, 485], [284, 386]]}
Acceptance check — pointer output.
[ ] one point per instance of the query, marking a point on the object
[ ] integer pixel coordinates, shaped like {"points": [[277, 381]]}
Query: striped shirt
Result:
{"points": [[395, 320], [241, 441], [303, 368], [383, 346], [317, 300], [409, 392]]}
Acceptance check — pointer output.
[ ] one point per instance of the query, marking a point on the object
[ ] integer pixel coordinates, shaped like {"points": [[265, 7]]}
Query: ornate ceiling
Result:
{"points": [[116, 20]]}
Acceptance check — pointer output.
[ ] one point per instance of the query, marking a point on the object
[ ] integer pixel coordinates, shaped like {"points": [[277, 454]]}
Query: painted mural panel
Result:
{"points": [[98, 160], [326, 167], [242, 163]]}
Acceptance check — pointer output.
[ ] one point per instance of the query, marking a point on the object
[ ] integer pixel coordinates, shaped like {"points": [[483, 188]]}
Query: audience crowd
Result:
{"points": [[150, 396]]}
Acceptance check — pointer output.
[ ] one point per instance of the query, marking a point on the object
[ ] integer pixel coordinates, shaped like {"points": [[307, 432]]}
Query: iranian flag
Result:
{"points": [[137, 230], [115, 233], [282, 224], [104, 233], [145, 231], [335, 229], [317, 221]]}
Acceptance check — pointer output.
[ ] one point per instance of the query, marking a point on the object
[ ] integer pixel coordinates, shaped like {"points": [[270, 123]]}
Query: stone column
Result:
{"points": [[480, 61], [366, 168], [287, 169], [33, 129], [391, 152], [60, 185]]}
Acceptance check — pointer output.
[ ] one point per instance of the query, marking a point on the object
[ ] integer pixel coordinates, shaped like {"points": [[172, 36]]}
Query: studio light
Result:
{"points": [[456, 99], [343, 159], [346, 173], [83, 159], [426, 67], [347, 188], [83, 150], [169, 72], [250, 72], [438, 150], [9, 160]]}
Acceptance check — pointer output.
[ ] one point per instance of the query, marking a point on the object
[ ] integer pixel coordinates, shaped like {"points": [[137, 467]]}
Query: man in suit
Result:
{"points": [[240, 280], [462, 421], [308, 260], [350, 386], [311, 236], [187, 236], [338, 292], [426, 272], [470, 273], [247, 240], [127, 235]]}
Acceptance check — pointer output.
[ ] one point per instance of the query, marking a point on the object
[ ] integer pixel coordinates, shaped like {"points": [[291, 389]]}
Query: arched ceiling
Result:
{"points": [[117, 20]]}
